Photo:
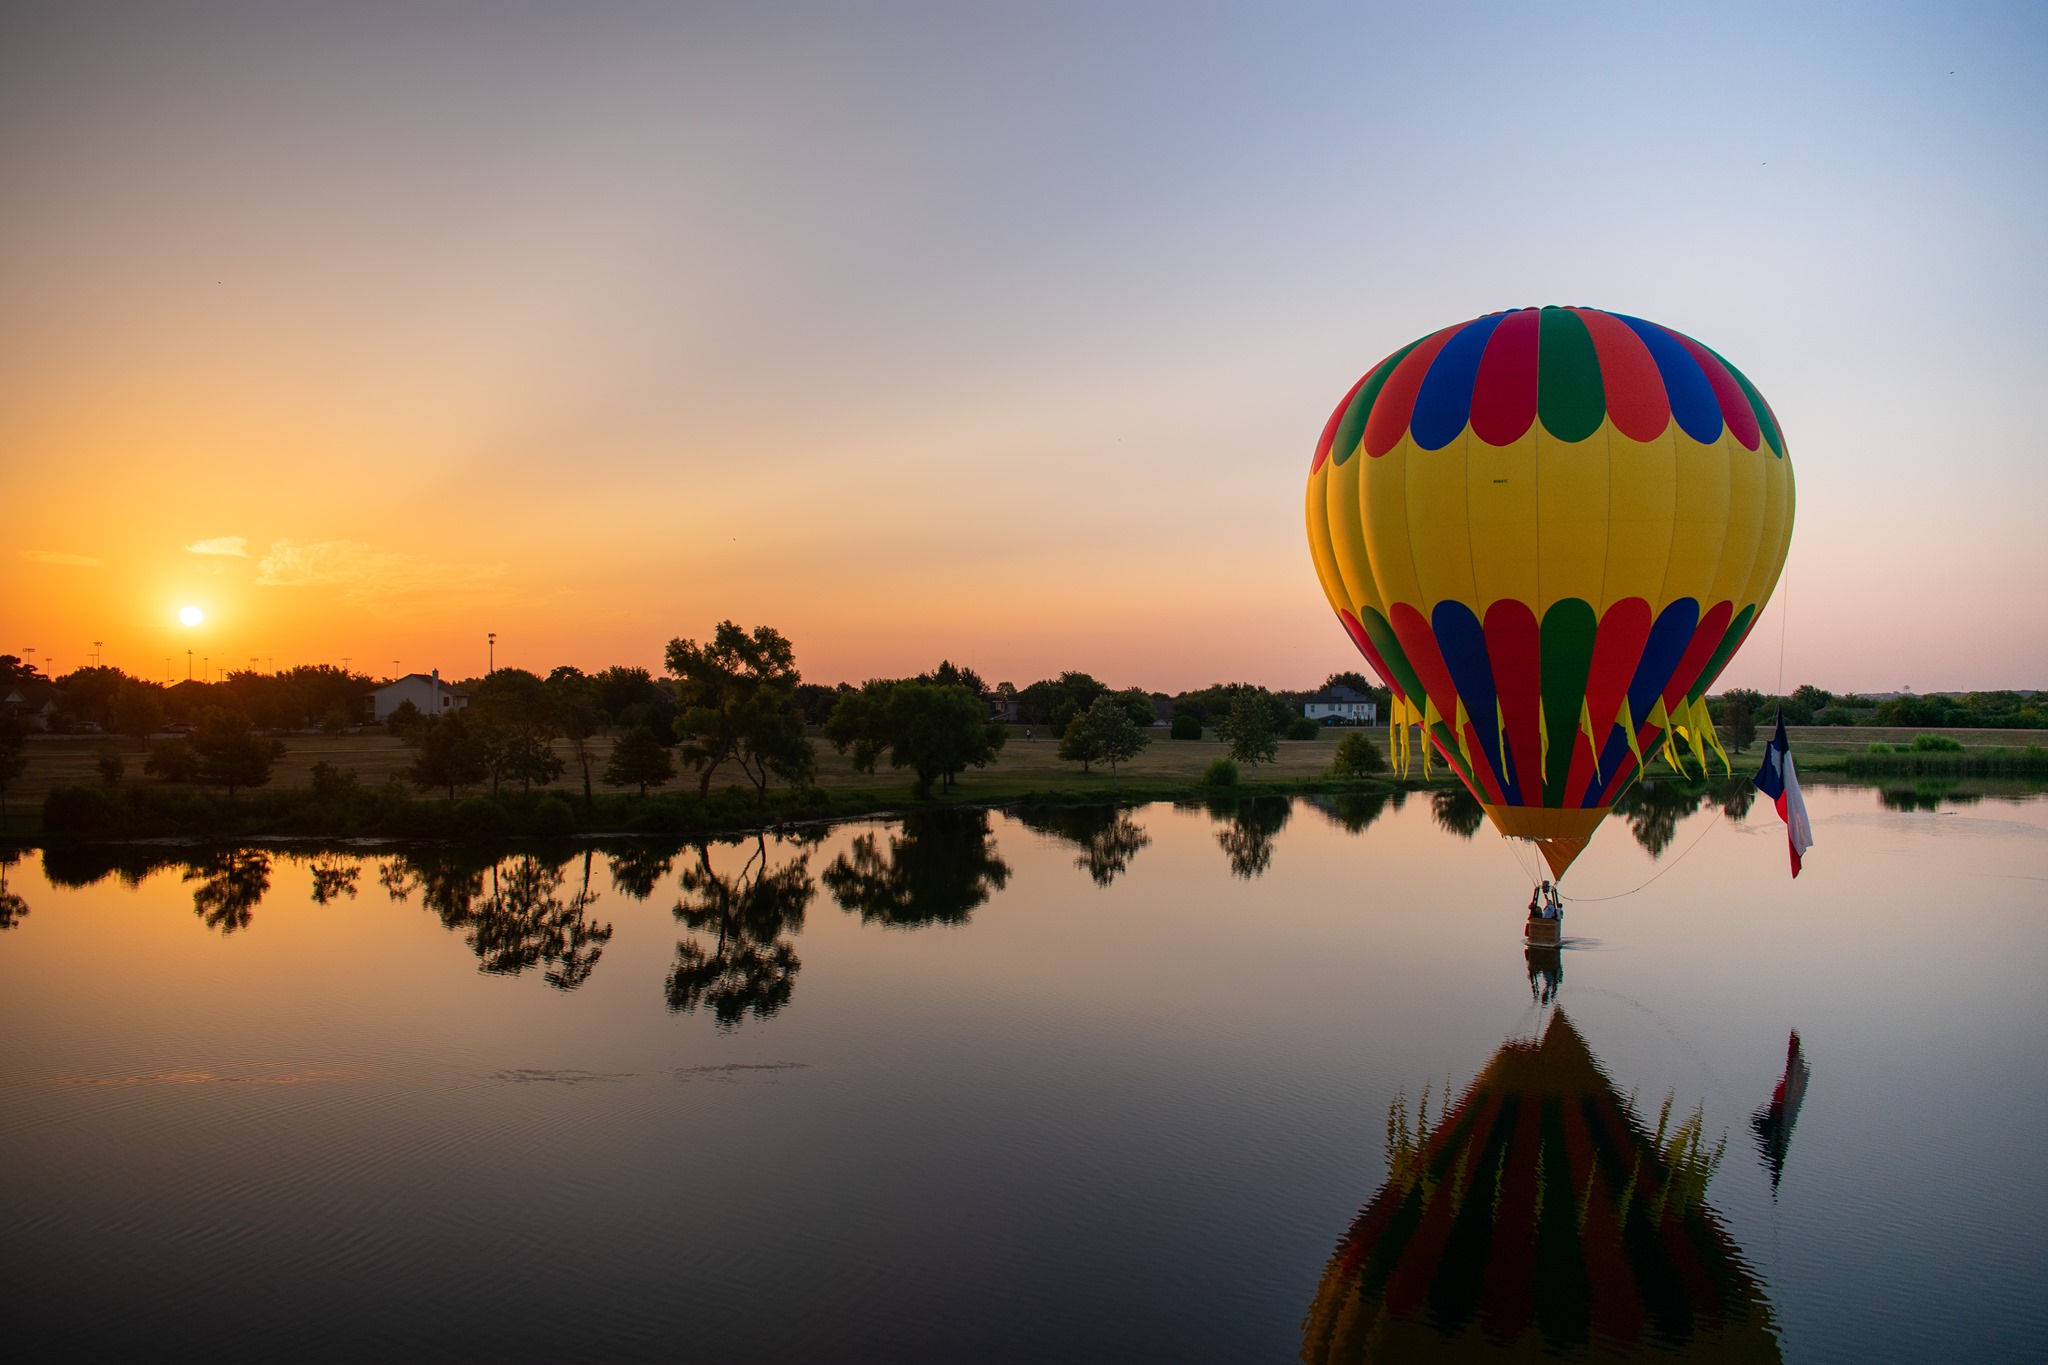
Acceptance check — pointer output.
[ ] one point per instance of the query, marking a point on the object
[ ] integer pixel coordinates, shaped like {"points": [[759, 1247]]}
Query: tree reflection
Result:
{"points": [[637, 868], [333, 879], [737, 962], [939, 867], [232, 882], [1354, 812], [1248, 830], [510, 911], [75, 865], [1653, 810], [13, 909], [1457, 810], [1106, 835]]}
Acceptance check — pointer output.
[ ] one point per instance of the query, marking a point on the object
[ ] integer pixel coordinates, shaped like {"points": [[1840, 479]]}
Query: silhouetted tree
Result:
{"points": [[574, 698], [1104, 733], [935, 731], [138, 710], [445, 754], [738, 692], [515, 721], [229, 754], [637, 759], [334, 877], [939, 867], [13, 754]]}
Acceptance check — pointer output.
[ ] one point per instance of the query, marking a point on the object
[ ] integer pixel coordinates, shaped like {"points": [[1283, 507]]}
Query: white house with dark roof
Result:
{"points": [[432, 696], [1341, 703]]}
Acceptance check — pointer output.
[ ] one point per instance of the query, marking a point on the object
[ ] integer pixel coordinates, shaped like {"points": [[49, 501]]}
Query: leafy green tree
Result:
{"points": [[445, 754], [738, 692], [950, 674], [1250, 730], [1738, 723], [936, 731], [939, 867], [577, 716], [230, 754], [172, 760], [1104, 733], [514, 718], [1056, 701], [638, 759], [1221, 772], [1357, 756], [138, 710]]}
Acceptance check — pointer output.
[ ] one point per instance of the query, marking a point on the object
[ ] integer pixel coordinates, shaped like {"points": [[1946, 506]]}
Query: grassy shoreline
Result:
{"points": [[377, 805]]}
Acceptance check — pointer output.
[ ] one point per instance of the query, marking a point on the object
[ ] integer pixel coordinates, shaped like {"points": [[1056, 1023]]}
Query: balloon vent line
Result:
{"points": [[1588, 900]]}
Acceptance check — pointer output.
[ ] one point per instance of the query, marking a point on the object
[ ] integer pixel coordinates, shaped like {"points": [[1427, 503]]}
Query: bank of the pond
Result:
{"points": [[81, 814]]}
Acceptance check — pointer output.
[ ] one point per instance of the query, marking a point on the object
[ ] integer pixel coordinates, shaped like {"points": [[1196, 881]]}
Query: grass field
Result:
{"points": [[1025, 767]]}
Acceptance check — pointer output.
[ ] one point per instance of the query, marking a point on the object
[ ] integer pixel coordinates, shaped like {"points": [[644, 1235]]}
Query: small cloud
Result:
{"points": [[59, 557], [238, 546], [364, 572]]}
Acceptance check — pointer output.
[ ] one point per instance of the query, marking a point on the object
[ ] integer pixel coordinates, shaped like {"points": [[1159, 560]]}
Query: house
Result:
{"points": [[432, 696], [1341, 703], [35, 704]]}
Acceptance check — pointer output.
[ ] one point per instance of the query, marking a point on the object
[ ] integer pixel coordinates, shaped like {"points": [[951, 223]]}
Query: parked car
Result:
{"points": [[180, 727]]}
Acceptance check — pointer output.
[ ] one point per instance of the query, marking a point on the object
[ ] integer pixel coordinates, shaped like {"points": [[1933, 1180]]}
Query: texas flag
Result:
{"points": [[1779, 780]]}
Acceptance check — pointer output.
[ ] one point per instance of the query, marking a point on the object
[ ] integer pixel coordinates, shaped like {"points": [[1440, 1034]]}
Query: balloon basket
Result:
{"points": [[1544, 933]]}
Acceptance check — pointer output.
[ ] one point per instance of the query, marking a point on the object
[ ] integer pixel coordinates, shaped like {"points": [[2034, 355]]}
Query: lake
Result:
{"points": [[1258, 1082]]}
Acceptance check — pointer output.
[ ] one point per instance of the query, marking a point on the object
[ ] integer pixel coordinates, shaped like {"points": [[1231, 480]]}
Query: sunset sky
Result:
{"points": [[997, 332]]}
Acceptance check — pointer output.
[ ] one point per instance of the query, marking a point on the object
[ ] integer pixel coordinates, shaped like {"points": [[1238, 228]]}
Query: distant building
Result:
{"points": [[432, 696], [1341, 703], [34, 703]]}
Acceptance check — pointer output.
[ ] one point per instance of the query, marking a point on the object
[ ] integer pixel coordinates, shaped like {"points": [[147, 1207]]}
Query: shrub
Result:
{"points": [[1879, 749], [1185, 726], [477, 815], [331, 783], [553, 817], [80, 810], [111, 767], [173, 760], [1357, 756], [1301, 727], [1935, 744], [1221, 773]]}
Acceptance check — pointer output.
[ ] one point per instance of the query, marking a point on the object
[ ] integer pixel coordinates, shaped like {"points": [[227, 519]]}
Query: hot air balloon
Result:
{"points": [[1541, 1219], [1548, 530]]}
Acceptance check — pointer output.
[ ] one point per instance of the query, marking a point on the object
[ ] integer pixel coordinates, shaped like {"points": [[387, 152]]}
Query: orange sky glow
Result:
{"points": [[1000, 339]]}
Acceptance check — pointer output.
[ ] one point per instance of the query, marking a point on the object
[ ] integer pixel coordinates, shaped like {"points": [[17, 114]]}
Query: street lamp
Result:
{"points": [[491, 660], [188, 665]]}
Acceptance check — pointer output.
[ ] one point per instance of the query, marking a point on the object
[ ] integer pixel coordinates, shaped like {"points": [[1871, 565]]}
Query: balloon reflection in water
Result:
{"points": [[1540, 1218]]}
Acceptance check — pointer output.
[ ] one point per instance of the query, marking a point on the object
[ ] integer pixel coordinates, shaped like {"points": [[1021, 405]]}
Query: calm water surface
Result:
{"points": [[1168, 1084]]}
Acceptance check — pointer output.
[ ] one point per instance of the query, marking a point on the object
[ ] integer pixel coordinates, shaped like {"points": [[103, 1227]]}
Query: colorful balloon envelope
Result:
{"points": [[1548, 530]]}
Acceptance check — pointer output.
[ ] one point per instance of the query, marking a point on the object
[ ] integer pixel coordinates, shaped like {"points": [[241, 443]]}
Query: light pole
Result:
{"points": [[188, 665], [491, 659], [97, 660]]}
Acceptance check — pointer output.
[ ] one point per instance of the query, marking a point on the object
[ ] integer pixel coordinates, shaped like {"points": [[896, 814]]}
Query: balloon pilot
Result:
{"points": [[1546, 916]]}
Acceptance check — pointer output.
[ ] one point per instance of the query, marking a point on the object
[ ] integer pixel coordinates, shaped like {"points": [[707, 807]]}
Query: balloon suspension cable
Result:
{"points": [[1587, 900], [1784, 615]]}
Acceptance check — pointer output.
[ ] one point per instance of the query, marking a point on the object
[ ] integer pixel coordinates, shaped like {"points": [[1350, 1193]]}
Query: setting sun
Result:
{"points": [[191, 616]]}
